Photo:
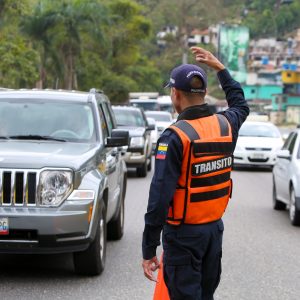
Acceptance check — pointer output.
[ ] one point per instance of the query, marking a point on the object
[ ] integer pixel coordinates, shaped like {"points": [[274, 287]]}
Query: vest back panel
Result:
{"points": [[204, 186]]}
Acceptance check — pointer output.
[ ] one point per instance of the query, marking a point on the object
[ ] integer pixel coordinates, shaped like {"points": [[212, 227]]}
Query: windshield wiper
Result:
{"points": [[4, 138], [36, 137]]}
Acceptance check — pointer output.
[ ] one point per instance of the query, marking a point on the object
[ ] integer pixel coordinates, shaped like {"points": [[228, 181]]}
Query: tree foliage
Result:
{"points": [[271, 17], [76, 44], [111, 44]]}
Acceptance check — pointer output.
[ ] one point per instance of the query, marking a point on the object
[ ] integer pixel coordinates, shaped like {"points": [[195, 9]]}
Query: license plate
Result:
{"points": [[4, 229], [258, 155]]}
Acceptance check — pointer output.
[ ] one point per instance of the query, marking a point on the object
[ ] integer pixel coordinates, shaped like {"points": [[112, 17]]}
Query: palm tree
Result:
{"points": [[57, 28], [73, 20], [37, 27]]}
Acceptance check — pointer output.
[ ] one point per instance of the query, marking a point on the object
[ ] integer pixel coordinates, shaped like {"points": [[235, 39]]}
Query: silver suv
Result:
{"points": [[62, 177]]}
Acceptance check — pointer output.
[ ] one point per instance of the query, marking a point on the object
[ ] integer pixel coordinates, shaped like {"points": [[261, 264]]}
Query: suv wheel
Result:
{"points": [[92, 260], [277, 205], [142, 170], [115, 228], [293, 211]]}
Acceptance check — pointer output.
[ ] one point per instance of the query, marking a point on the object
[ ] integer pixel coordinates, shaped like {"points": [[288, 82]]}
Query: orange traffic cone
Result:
{"points": [[161, 291]]}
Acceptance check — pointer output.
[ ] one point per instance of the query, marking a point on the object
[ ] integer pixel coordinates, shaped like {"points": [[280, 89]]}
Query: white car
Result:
{"points": [[165, 104], [257, 144], [154, 133], [286, 178], [163, 119]]}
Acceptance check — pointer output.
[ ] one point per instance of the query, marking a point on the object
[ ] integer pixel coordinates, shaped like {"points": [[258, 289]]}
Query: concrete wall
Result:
{"points": [[293, 114], [277, 117]]}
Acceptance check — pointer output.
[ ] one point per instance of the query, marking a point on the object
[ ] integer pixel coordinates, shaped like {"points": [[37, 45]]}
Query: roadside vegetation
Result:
{"points": [[111, 44]]}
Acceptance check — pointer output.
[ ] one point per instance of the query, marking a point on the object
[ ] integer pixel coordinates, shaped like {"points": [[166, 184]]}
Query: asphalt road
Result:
{"points": [[260, 260]]}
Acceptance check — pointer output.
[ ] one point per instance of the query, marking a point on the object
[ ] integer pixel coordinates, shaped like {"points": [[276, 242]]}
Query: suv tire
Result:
{"points": [[294, 213], [115, 228], [92, 260], [277, 205], [142, 171]]}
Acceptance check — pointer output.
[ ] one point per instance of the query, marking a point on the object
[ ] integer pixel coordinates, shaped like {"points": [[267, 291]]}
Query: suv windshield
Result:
{"points": [[126, 117], [34, 119], [259, 130], [159, 117], [146, 105]]}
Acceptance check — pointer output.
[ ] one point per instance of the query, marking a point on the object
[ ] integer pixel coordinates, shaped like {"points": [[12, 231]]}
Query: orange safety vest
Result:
{"points": [[204, 186]]}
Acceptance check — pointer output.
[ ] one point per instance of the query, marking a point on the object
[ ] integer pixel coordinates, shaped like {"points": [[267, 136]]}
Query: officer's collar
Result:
{"points": [[194, 112]]}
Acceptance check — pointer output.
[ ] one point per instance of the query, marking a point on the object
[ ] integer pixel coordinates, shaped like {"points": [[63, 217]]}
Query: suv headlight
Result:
{"points": [[55, 186], [137, 141]]}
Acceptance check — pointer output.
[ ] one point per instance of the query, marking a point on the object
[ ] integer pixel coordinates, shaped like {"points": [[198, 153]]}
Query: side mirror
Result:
{"points": [[285, 154], [118, 138], [151, 127]]}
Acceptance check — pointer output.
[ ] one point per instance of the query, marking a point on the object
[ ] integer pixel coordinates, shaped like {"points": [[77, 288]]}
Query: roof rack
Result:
{"points": [[5, 89], [94, 91]]}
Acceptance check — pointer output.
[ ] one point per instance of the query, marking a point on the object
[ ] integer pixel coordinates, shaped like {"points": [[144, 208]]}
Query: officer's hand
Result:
{"points": [[206, 57], [149, 267]]}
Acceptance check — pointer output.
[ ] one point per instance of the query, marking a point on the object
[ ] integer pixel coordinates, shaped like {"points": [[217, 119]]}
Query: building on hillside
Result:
{"points": [[272, 53], [162, 36], [199, 37], [260, 87], [286, 105], [286, 108]]}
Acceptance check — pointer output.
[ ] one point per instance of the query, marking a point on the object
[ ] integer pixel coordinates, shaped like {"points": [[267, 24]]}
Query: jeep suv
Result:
{"points": [[62, 177], [139, 152]]}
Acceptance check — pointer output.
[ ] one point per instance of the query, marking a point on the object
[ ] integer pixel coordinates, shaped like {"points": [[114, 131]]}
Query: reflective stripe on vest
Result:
{"points": [[204, 186]]}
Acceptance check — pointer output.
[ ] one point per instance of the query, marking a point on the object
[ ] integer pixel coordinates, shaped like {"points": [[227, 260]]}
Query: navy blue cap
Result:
{"points": [[181, 78]]}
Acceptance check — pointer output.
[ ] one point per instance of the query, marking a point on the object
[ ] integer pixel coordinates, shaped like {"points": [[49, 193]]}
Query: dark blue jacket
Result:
{"points": [[168, 166]]}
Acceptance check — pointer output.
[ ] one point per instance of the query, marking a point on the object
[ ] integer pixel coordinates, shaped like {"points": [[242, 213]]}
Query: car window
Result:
{"points": [[292, 144], [112, 115], [70, 121], [288, 141], [298, 154], [103, 123], [127, 117], [108, 118]]}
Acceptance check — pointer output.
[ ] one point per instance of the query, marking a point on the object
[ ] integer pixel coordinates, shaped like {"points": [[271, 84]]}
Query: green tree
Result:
{"points": [[271, 17], [18, 64], [37, 26], [19, 61]]}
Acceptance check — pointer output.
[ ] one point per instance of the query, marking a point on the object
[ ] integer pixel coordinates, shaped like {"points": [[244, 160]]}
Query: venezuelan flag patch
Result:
{"points": [[161, 151]]}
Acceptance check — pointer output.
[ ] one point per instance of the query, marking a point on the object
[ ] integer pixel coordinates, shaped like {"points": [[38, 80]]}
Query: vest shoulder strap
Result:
{"points": [[187, 129], [224, 126]]}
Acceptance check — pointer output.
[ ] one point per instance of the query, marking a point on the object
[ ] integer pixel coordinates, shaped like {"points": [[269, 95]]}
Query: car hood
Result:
{"points": [[134, 131], [259, 142], [42, 154]]}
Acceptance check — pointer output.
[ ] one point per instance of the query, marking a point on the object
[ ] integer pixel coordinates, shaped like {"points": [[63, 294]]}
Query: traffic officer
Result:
{"points": [[191, 185]]}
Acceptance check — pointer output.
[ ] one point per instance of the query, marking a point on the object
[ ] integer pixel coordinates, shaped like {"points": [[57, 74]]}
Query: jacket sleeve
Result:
{"points": [[168, 159], [238, 108]]}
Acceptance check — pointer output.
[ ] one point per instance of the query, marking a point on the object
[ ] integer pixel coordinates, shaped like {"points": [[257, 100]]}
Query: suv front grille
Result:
{"points": [[18, 187]]}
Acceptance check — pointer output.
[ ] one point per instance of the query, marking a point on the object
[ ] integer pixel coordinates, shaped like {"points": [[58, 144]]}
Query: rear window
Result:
{"points": [[159, 117], [259, 130], [145, 105], [126, 117]]}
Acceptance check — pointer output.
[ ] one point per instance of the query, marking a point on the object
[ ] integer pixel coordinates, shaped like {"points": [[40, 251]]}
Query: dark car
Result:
{"points": [[138, 154]]}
